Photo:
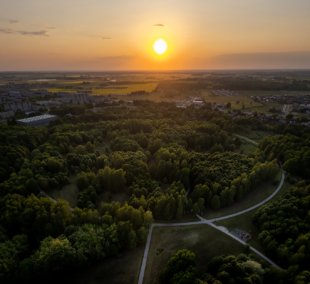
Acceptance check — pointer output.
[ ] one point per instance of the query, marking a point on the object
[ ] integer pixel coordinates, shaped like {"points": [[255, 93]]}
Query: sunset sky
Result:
{"points": [[118, 34]]}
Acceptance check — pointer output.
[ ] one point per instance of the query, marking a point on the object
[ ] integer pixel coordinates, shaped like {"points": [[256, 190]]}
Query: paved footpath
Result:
{"points": [[255, 143], [255, 206], [240, 241], [147, 246], [210, 223]]}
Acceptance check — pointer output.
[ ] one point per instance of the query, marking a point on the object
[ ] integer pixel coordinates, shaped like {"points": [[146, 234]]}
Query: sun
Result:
{"points": [[160, 46]]}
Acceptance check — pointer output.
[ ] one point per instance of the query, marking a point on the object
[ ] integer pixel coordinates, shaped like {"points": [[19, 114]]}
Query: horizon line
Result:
{"points": [[170, 70]]}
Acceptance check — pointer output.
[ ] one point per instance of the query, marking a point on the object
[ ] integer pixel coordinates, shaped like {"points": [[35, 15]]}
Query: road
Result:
{"points": [[286, 109], [210, 223]]}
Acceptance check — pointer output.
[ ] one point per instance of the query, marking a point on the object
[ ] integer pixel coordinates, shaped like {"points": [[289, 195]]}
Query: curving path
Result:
{"points": [[255, 143], [210, 223], [48, 195], [55, 201], [147, 245], [255, 206]]}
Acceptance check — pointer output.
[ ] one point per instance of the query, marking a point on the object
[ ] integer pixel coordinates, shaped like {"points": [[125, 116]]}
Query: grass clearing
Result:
{"points": [[248, 147], [120, 197], [186, 218], [205, 241], [253, 197], [256, 135], [244, 221], [264, 108], [69, 192], [124, 270]]}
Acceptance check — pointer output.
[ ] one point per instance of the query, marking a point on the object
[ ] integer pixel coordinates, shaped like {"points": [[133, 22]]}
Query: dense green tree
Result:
{"points": [[215, 202]]}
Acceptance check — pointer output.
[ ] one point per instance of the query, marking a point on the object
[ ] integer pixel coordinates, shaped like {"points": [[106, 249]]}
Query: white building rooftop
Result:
{"points": [[36, 118]]}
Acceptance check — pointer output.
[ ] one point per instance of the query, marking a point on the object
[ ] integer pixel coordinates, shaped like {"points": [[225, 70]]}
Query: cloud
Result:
{"points": [[158, 25], [276, 60], [106, 37], [49, 28], [14, 22], [115, 58], [39, 33], [6, 31]]}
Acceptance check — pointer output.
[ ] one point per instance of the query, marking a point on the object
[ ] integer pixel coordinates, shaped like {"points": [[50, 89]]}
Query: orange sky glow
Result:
{"points": [[119, 35]]}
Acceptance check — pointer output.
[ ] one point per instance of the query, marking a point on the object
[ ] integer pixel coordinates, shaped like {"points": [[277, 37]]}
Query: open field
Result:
{"points": [[56, 90], [252, 198], [270, 93], [157, 97], [249, 147], [148, 87], [68, 192], [124, 270], [130, 88], [209, 97], [205, 241], [244, 221], [186, 218], [264, 108], [67, 83], [249, 104]]}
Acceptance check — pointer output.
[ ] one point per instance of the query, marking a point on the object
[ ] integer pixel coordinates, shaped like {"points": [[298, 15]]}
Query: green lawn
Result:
{"points": [[244, 221], [205, 241], [248, 147], [186, 218], [120, 197], [68, 192], [253, 197], [264, 108], [256, 135]]}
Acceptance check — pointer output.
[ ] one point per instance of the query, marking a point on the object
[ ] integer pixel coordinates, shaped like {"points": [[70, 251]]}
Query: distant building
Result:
{"points": [[40, 120], [48, 103], [198, 103]]}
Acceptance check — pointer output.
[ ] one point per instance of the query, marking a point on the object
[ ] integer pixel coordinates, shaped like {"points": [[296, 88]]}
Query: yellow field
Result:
{"points": [[156, 97], [65, 82], [130, 88], [57, 90]]}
